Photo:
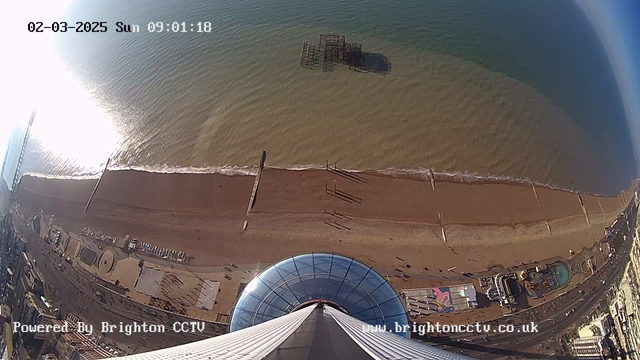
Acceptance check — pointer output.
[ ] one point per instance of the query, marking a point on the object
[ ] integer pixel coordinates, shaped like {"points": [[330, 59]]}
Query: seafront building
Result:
{"points": [[589, 348], [624, 307], [614, 331], [76, 345]]}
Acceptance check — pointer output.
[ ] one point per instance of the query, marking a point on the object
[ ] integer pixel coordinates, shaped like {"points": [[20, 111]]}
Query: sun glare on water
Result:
{"points": [[69, 123]]}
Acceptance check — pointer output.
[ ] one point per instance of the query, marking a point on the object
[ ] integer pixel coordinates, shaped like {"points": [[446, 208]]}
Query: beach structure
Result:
{"points": [[149, 281], [313, 306], [129, 244], [544, 279], [157, 251], [488, 285], [88, 256], [440, 300], [504, 285], [502, 288]]}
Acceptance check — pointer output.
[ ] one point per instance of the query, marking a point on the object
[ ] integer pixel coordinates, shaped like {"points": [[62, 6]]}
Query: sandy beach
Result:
{"points": [[378, 219]]}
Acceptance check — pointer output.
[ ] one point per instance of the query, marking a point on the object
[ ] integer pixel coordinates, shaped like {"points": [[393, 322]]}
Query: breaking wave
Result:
{"points": [[424, 173], [453, 176], [224, 170]]}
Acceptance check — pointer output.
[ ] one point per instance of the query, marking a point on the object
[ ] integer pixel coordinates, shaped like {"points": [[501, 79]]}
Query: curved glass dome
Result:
{"points": [[356, 288]]}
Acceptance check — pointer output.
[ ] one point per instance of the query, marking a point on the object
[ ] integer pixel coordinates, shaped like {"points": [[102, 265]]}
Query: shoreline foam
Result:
{"points": [[420, 173]]}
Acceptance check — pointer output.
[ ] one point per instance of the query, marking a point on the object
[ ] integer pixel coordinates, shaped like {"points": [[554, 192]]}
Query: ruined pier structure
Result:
{"points": [[333, 49]]}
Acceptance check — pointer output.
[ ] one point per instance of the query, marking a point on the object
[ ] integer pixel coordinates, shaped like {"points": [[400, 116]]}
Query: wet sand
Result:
{"points": [[379, 218]]}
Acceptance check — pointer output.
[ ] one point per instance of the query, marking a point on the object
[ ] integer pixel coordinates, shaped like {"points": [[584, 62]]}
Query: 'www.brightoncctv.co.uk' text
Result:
{"points": [[437, 328]]}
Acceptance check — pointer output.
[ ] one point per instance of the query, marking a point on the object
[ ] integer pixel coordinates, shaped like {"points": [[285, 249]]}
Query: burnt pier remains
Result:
{"points": [[334, 50]]}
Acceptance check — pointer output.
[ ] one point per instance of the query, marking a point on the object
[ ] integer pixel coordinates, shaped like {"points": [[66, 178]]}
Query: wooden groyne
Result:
{"points": [[95, 189], [604, 216], [535, 194], [252, 199], [444, 235], [432, 179], [584, 210]]}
